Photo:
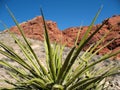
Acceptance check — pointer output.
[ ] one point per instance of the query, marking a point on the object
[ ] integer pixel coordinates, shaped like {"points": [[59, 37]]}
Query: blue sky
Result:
{"points": [[67, 13]]}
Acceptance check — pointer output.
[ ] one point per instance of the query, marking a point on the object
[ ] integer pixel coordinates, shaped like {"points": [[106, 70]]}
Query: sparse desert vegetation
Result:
{"points": [[77, 70]]}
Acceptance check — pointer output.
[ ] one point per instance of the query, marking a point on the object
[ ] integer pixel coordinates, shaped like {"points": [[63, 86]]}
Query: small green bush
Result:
{"points": [[74, 73]]}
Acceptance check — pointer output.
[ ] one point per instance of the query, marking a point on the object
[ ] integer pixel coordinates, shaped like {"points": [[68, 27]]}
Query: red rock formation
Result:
{"points": [[34, 29]]}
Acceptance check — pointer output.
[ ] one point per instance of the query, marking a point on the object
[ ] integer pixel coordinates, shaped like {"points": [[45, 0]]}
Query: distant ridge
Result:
{"points": [[34, 29]]}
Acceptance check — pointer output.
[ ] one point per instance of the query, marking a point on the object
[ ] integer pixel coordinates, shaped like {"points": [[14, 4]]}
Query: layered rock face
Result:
{"points": [[34, 29]]}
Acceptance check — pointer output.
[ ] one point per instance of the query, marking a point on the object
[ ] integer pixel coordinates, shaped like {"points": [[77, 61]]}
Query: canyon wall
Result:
{"points": [[35, 29]]}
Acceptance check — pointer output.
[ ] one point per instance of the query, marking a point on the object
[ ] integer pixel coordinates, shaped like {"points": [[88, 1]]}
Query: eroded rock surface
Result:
{"points": [[34, 29]]}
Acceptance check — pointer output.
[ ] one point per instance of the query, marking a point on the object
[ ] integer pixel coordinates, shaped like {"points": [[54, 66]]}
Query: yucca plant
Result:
{"points": [[75, 72]]}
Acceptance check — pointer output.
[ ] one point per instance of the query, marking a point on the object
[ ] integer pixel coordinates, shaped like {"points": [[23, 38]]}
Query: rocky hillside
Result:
{"points": [[34, 29], [112, 83]]}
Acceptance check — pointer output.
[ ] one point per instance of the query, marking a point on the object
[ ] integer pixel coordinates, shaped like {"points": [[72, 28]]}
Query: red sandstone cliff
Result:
{"points": [[34, 29]]}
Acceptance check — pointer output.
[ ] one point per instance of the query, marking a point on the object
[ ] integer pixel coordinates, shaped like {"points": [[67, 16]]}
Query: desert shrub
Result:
{"points": [[76, 72]]}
